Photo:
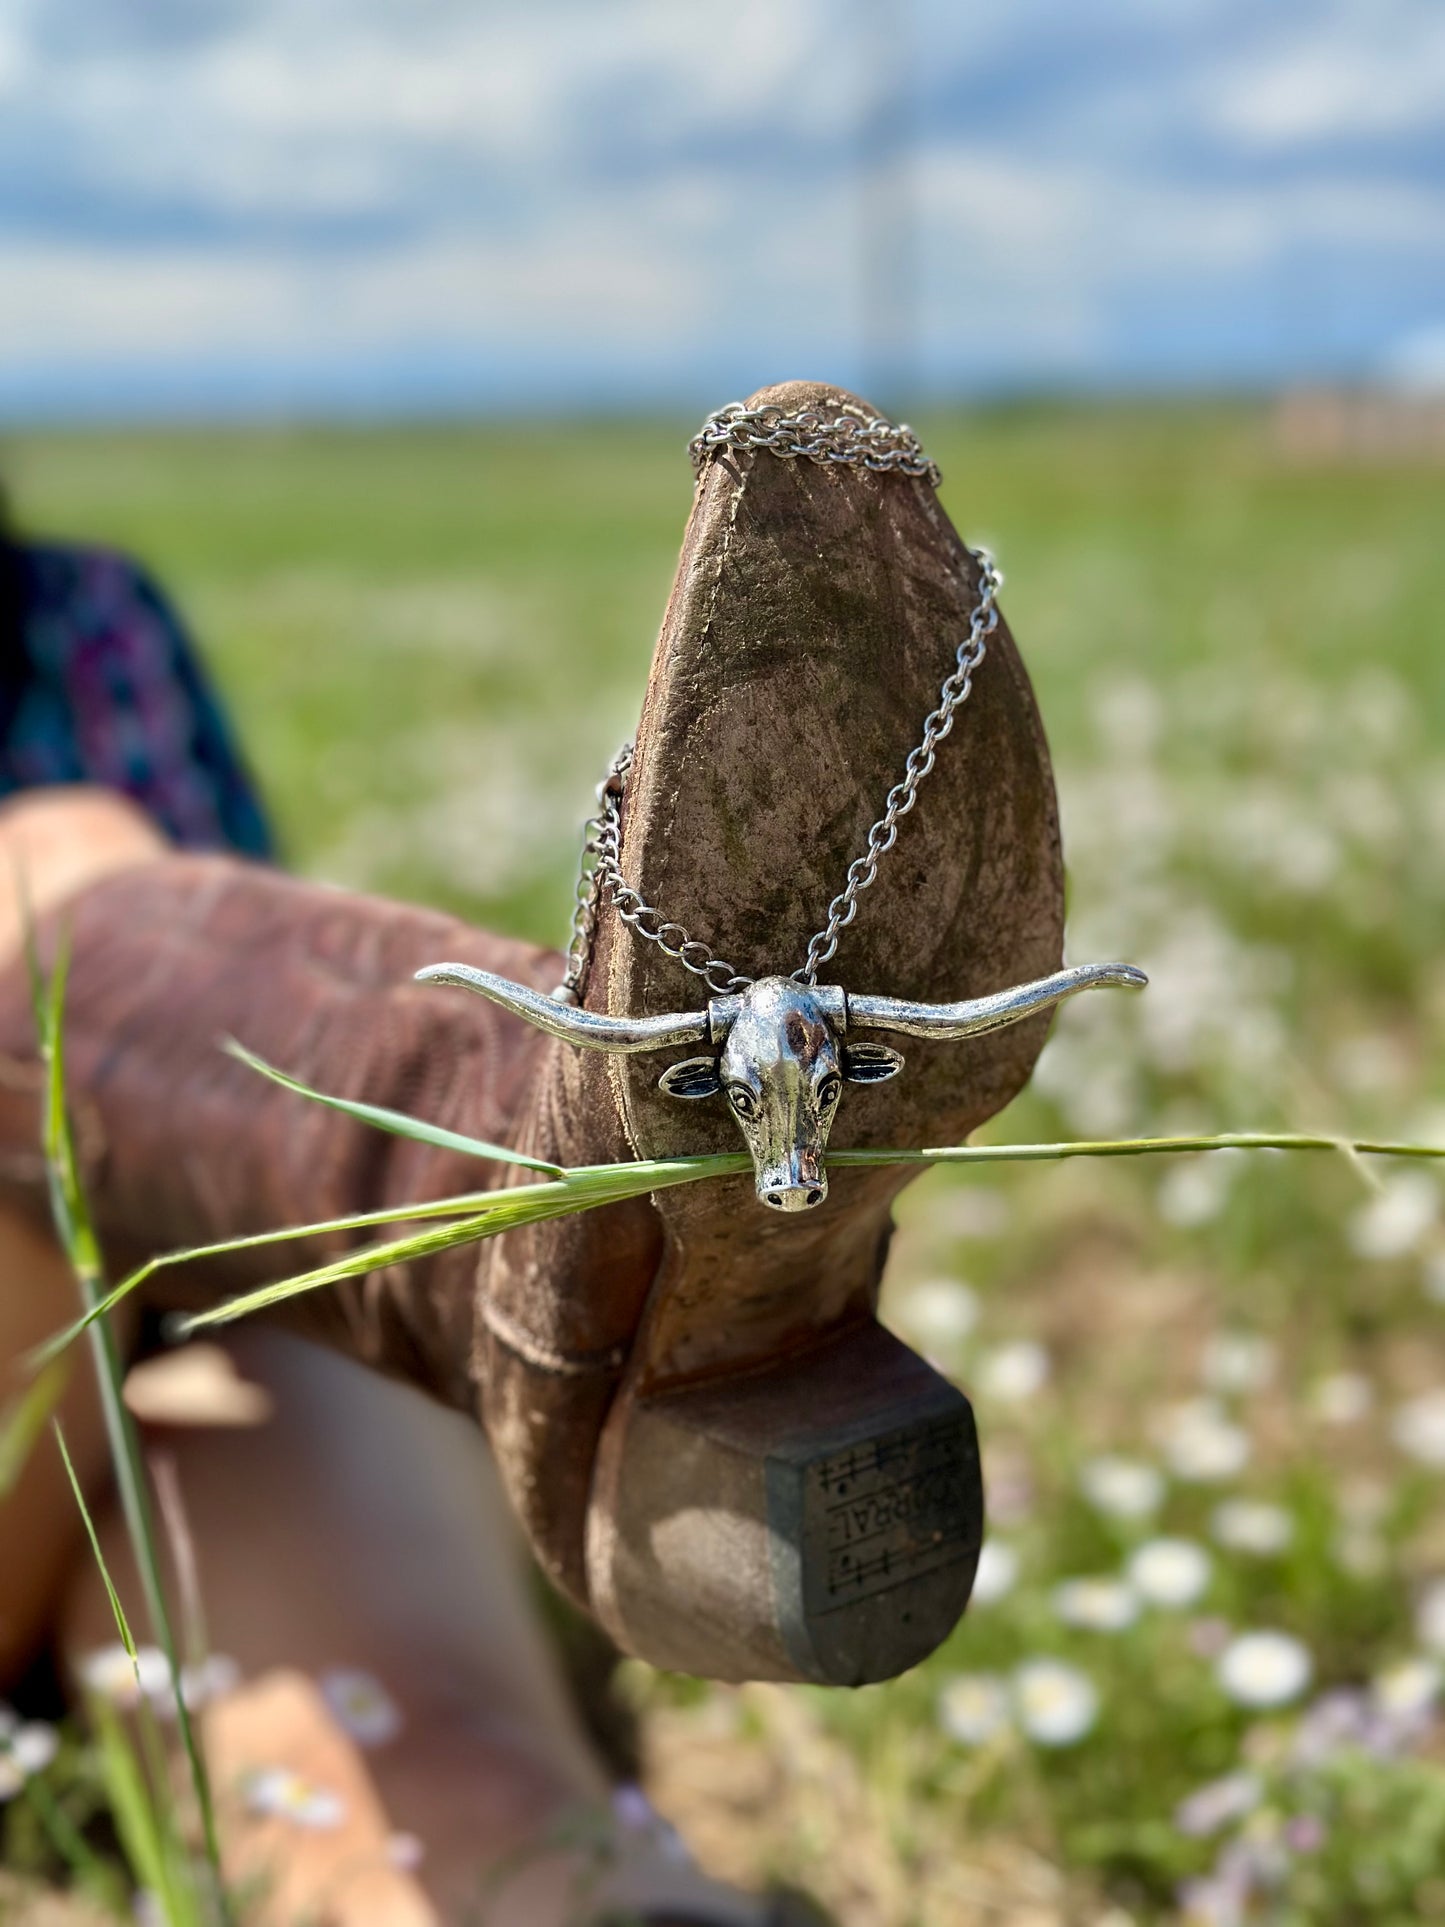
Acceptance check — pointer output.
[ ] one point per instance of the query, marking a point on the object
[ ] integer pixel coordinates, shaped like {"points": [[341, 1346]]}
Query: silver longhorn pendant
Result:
{"points": [[781, 1051]]}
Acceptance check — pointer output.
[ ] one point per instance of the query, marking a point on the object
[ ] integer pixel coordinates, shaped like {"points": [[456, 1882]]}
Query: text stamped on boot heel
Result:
{"points": [[875, 1541], [887, 1511]]}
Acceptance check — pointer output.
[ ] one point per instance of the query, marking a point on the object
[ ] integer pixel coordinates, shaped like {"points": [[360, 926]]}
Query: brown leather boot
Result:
{"points": [[712, 1443]]}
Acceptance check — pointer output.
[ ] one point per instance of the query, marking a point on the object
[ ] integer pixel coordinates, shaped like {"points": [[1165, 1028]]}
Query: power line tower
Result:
{"points": [[888, 236]]}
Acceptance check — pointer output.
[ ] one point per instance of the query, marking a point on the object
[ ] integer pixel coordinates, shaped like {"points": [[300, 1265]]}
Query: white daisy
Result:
{"points": [[1098, 1605], [361, 1705], [1194, 1191], [1264, 1669], [33, 1746], [1418, 1428], [1252, 1525], [1171, 1573], [939, 1312], [113, 1675], [1361, 1551], [1342, 1398], [1394, 1222], [1055, 1703], [1201, 1444], [1121, 1488], [973, 1708], [1015, 1372], [276, 1792], [1407, 1689], [1236, 1362], [998, 1571], [212, 1678]]}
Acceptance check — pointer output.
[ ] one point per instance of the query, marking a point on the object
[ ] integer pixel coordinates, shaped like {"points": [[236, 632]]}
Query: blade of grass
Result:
{"points": [[396, 1122], [23, 1420], [78, 1240], [135, 1817], [1141, 1147], [586, 1187], [117, 1611], [464, 1205], [583, 1190]]}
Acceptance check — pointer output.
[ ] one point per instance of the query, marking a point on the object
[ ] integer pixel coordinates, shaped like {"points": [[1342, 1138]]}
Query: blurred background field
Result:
{"points": [[433, 639]]}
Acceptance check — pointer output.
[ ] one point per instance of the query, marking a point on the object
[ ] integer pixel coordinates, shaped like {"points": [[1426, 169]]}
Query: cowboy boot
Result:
{"points": [[710, 1440]]}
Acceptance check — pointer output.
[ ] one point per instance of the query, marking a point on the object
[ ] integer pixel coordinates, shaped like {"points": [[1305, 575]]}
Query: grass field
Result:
{"points": [[434, 639]]}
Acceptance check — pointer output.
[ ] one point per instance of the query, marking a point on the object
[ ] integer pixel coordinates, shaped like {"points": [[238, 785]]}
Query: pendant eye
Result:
{"points": [[742, 1100], [829, 1091]]}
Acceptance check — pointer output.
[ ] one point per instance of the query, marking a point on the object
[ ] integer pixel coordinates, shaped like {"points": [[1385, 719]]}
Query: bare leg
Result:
{"points": [[361, 1527]]}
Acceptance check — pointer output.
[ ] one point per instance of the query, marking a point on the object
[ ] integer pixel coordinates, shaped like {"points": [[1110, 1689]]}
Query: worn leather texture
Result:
{"points": [[815, 614]]}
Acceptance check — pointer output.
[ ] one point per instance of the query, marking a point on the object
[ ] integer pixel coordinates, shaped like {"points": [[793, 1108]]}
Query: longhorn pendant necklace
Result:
{"points": [[780, 1049]]}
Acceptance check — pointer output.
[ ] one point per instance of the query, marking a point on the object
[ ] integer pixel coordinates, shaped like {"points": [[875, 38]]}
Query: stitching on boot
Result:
{"points": [[726, 548], [544, 1357]]}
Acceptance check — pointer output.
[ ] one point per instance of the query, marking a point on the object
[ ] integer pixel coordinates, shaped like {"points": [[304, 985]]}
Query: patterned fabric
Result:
{"points": [[99, 683]]}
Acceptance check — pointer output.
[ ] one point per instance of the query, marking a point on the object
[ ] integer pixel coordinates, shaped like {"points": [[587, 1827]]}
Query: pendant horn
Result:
{"points": [[590, 1028], [978, 1014]]}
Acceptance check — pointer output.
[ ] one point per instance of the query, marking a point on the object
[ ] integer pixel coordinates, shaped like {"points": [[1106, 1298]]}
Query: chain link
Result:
{"points": [[602, 876], [852, 438], [862, 441], [900, 799]]}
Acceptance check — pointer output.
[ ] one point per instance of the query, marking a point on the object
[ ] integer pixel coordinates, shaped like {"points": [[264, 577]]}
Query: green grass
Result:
{"points": [[434, 640]]}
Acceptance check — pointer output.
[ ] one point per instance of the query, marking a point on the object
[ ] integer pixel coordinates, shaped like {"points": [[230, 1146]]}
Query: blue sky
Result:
{"points": [[254, 205]]}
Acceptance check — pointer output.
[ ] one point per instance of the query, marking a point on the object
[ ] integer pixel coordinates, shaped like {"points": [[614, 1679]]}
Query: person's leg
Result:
{"points": [[355, 1527], [361, 1529], [51, 843]]}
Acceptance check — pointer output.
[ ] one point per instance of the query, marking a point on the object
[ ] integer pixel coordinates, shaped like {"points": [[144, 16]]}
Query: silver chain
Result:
{"points": [[861, 441], [852, 439]]}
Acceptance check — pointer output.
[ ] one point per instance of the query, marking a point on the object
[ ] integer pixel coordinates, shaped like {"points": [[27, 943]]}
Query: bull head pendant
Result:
{"points": [[781, 1051]]}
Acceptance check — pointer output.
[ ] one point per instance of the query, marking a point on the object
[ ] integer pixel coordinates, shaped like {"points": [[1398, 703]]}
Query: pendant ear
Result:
{"points": [[693, 1077], [870, 1063]]}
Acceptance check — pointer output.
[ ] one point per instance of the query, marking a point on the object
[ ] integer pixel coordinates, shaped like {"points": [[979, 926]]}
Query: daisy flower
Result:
{"points": [[1253, 1526], [1264, 1669], [1418, 1428], [973, 1708], [1121, 1488], [1201, 1444], [111, 1673], [1013, 1373], [361, 1705], [1172, 1573], [1237, 1362], [277, 1793], [1100, 1605], [939, 1311], [1342, 1398], [1056, 1704], [998, 1571]]}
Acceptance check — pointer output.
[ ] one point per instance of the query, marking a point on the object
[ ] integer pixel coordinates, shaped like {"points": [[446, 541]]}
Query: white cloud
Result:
{"points": [[671, 182], [1375, 69]]}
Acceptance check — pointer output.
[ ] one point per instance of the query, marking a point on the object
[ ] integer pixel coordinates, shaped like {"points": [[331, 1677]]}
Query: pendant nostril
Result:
{"points": [[815, 1197], [774, 1198]]}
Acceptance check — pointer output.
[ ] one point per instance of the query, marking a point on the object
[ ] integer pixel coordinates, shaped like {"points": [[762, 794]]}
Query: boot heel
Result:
{"points": [[741, 1532]]}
